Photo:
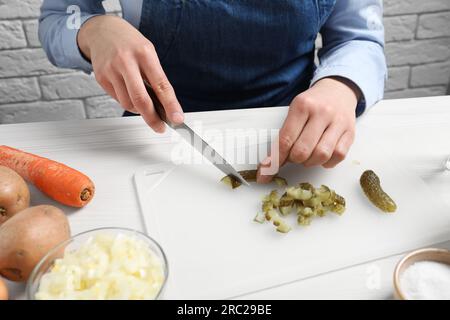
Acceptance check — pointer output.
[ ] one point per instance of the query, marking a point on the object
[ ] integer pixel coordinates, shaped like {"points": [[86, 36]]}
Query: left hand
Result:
{"points": [[320, 126]]}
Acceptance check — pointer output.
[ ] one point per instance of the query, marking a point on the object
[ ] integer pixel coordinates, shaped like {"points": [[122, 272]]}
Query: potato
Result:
{"points": [[27, 237], [14, 194], [3, 290]]}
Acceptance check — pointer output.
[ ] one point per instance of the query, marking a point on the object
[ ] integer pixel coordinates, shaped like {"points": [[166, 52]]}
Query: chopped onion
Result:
{"points": [[107, 266]]}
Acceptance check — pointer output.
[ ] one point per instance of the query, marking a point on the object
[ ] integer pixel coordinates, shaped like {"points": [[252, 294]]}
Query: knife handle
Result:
{"points": [[156, 103]]}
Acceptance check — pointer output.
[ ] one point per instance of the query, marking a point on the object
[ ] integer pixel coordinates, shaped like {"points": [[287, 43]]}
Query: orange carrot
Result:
{"points": [[60, 182]]}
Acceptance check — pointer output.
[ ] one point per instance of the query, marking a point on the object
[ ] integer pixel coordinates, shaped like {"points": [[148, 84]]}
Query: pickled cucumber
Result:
{"points": [[307, 201], [249, 176], [233, 182], [286, 204], [370, 183]]}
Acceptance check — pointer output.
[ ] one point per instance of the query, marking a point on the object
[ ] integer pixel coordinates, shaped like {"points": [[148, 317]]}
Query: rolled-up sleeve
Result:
{"points": [[353, 48], [59, 24]]}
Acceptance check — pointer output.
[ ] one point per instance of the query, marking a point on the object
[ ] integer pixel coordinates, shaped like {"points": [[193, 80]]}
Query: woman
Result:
{"points": [[219, 54]]}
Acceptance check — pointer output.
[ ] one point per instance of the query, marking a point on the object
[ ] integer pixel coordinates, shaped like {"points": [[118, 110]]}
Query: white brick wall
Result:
{"points": [[417, 47], [31, 89]]}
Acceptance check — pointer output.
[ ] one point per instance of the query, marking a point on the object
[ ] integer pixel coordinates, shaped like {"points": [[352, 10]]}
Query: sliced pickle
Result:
{"points": [[308, 202], [249, 176]]}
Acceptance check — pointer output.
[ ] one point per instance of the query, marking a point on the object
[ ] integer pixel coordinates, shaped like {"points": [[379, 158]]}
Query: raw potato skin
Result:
{"points": [[27, 237], [3, 290], [14, 194]]}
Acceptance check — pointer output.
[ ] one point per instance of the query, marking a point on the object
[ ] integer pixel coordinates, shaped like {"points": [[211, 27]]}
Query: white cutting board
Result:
{"points": [[216, 251]]}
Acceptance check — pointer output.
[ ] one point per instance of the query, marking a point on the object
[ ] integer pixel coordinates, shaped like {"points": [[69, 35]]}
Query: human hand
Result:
{"points": [[121, 56], [319, 128]]}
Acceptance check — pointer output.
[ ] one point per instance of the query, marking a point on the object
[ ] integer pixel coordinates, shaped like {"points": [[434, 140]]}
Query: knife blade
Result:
{"points": [[195, 140]]}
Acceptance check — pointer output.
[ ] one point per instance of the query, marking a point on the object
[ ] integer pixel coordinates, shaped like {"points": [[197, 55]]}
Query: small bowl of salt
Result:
{"points": [[423, 275]]}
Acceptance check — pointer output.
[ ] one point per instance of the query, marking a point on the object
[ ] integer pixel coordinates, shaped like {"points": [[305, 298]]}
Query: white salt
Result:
{"points": [[426, 280]]}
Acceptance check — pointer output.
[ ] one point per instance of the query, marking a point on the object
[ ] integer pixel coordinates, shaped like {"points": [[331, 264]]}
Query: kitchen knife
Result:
{"points": [[195, 140]]}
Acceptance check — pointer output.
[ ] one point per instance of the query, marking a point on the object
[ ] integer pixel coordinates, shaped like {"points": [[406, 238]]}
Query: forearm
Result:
{"points": [[363, 64], [96, 25], [353, 48], [346, 85], [58, 30]]}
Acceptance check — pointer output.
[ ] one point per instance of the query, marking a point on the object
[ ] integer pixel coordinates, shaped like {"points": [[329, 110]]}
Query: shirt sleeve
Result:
{"points": [[353, 48], [59, 24]]}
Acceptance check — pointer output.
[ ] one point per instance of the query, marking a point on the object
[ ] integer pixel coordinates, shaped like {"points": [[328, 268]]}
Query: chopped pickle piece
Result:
{"points": [[277, 221], [286, 204], [298, 204], [323, 193], [308, 202], [306, 186], [286, 210], [330, 200], [283, 228], [266, 206], [338, 205], [270, 201], [299, 193], [281, 182], [281, 225], [304, 221], [260, 217], [271, 214], [273, 198], [313, 202], [339, 209], [305, 211], [286, 200], [249, 176], [339, 199], [320, 210], [231, 181], [370, 183]]}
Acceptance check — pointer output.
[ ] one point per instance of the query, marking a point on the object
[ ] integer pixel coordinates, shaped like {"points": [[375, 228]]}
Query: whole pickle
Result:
{"points": [[370, 183]]}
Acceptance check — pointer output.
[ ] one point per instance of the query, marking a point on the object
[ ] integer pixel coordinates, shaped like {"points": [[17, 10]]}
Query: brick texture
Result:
{"points": [[19, 89], [10, 9], [434, 25], [102, 107], [418, 51], [400, 27], [42, 111], [31, 89], [417, 92], [12, 35], [75, 85], [398, 78], [430, 74], [26, 62], [31, 32], [399, 7]]}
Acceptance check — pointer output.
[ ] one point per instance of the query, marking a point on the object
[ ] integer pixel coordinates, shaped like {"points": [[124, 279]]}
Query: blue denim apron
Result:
{"points": [[224, 54]]}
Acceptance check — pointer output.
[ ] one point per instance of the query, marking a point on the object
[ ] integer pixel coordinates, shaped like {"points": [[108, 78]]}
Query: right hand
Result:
{"points": [[121, 56]]}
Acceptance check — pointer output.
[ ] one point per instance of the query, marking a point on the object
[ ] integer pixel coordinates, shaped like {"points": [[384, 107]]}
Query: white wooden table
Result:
{"points": [[415, 132]]}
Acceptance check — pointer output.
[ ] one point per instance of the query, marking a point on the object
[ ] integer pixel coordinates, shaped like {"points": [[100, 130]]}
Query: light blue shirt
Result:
{"points": [[353, 40]]}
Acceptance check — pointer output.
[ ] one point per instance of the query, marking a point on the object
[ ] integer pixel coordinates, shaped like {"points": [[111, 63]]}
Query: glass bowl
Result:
{"points": [[76, 241]]}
